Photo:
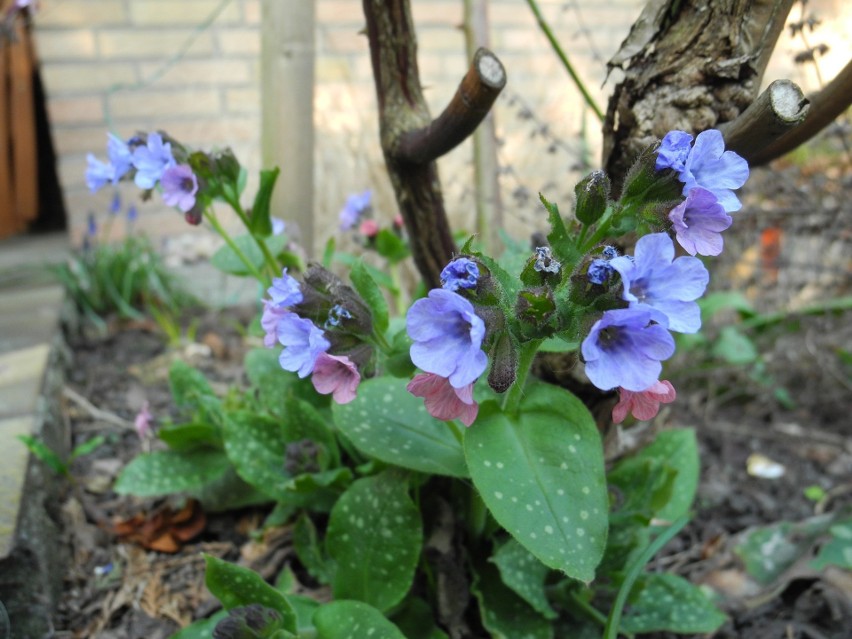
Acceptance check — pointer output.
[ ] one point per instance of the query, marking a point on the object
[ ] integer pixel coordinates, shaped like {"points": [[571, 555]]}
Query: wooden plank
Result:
{"points": [[22, 115], [8, 219], [287, 125]]}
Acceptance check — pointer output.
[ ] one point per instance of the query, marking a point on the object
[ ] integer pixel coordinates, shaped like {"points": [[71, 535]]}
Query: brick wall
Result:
{"points": [[191, 67]]}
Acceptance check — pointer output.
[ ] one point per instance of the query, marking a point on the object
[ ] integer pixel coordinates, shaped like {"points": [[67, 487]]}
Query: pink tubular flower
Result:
{"points": [[337, 375], [142, 423], [643, 405], [369, 228], [179, 187], [442, 400]]}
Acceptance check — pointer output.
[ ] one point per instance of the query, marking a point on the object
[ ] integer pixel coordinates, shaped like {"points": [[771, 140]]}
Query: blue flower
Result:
{"points": [[460, 273], [667, 287], [706, 164], [698, 223], [447, 336], [151, 160], [624, 349], [303, 342], [119, 156], [673, 151], [179, 186], [98, 173], [544, 260], [354, 208], [285, 290]]}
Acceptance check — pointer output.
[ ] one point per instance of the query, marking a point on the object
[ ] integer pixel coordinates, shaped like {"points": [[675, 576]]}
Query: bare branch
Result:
{"points": [[780, 108], [826, 105], [470, 104]]}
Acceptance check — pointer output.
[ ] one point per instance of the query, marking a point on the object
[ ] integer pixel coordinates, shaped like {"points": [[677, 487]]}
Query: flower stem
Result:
{"points": [[270, 260], [512, 400], [564, 59], [214, 222]]}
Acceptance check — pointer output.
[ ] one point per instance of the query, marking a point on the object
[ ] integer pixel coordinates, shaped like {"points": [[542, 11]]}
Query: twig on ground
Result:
{"points": [[94, 411]]}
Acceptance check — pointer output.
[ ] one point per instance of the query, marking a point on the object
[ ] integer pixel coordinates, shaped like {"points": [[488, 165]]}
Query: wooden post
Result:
{"points": [[287, 128]]}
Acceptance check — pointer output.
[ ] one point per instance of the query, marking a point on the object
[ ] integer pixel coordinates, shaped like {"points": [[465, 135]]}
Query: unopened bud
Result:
{"points": [[535, 305], [504, 367], [592, 195], [193, 216]]}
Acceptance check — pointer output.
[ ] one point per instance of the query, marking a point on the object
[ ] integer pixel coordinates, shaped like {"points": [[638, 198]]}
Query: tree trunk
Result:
{"points": [[692, 65]]}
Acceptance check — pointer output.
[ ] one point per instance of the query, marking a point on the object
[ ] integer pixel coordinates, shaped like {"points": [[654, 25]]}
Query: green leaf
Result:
{"points": [[390, 246], [87, 447], [390, 424], [237, 586], [525, 575], [541, 474], [562, 245], [227, 260], [257, 446], [351, 620], [45, 454], [734, 348], [305, 608], [303, 421], [416, 620], [503, 613], [309, 550], [189, 436], [167, 472], [228, 492], [274, 385], [374, 534], [770, 550], [202, 629], [372, 295], [259, 222], [189, 387], [665, 602], [837, 551], [679, 450]]}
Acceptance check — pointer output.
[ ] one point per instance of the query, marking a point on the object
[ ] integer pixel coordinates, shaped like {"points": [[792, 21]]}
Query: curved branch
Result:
{"points": [[471, 103], [826, 105], [779, 109]]}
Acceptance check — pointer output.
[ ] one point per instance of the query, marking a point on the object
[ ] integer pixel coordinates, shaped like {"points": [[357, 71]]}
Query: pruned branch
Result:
{"points": [[470, 104], [411, 141], [826, 105], [779, 109]]}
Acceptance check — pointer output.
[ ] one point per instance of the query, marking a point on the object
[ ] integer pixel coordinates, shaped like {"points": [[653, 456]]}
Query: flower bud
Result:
{"points": [[535, 306], [504, 367], [193, 216], [248, 622], [644, 183], [330, 303], [592, 195]]}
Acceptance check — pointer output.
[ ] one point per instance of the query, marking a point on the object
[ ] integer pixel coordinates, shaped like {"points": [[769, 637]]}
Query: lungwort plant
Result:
{"points": [[431, 482]]}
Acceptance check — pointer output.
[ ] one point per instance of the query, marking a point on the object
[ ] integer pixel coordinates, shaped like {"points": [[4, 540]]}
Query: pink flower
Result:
{"points": [[142, 423], [336, 375], [369, 228], [442, 400], [645, 404], [272, 312]]}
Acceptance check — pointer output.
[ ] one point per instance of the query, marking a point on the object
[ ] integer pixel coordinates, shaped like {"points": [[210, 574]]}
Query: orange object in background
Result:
{"points": [[770, 252], [19, 204]]}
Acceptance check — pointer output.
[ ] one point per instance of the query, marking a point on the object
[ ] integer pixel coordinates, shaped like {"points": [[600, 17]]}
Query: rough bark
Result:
{"points": [[410, 140], [691, 65]]}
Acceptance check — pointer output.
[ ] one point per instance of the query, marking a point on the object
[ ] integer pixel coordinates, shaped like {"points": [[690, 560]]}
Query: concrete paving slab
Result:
{"points": [[12, 476], [29, 316], [21, 377]]}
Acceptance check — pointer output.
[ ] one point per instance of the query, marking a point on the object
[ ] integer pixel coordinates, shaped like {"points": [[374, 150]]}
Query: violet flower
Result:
{"points": [[269, 322], [303, 342], [354, 208], [460, 273], [179, 186], [119, 156], [442, 401], [98, 173], [673, 151], [337, 375], [142, 422], [665, 286], [285, 290], [447, 336], [624, 349], [698, 223], [151, 160]]}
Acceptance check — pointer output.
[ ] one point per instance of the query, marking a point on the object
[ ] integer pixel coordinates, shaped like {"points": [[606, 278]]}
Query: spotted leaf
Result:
{"points": [[541, 474], [350, 619]]}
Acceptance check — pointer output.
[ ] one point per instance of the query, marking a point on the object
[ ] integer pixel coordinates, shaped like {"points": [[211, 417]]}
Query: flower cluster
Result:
{"points": [[330, 355], [148, 161], [709, 174], [625, 348]]}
